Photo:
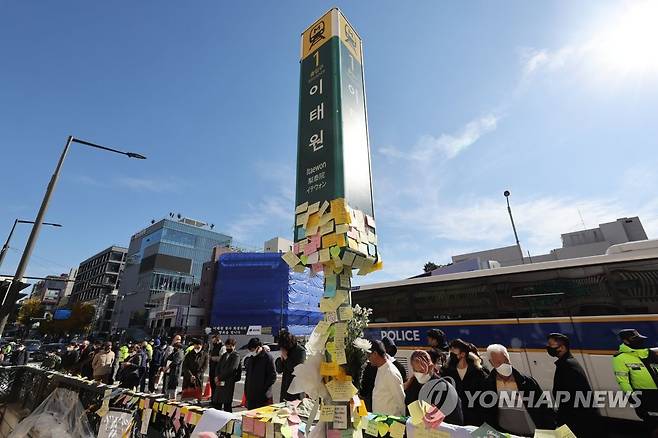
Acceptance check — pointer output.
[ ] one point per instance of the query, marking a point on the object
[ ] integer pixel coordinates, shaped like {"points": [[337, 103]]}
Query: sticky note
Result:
{"points": [[358, 261], [340, 417], [323, 208], [331, 304], [327, 413], [290, 258], [313, 207], [342, 228], [396, 430], [340, 356], [340, 330], [322, 327], [313, 258], [259, 428], [564, 432], [313, 220], [345, 281], [248, 424], [341, 390], [382, 428], [329, 240], [329, 291], [327, 228], [331, 280], [325, 218], [345, 313], [348, 258], [373, 428], [328, 369], [301, 208], [302, 219], [316, 267], [331, 317], [324, 255], [269, 430], [363, 411], [334, 251]]}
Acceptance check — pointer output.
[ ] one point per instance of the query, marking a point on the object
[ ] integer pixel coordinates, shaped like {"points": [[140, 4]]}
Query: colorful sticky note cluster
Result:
{"points": [[325, 232]]}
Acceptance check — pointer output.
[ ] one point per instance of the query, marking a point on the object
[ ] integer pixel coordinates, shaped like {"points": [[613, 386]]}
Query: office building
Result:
{"points": [[50, 290], [164, 259], [583, 243], [198, 304], [97, 283], [64, 300], [277, 244]]}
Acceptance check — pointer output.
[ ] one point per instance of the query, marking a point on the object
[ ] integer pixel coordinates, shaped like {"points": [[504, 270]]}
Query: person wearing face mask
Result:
{"points": [[227, 372], [465, 369], [260, 375], [443, 394], [636, 369], [194, 367], [519, 420], [102, 363], [570, 378]]}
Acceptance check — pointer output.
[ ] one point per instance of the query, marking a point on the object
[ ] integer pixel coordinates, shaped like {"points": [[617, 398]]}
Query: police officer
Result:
{"points": [[636, 369]]}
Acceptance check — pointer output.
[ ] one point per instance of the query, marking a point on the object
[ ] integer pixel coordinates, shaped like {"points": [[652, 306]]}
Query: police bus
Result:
{"points": [[589, 299]]}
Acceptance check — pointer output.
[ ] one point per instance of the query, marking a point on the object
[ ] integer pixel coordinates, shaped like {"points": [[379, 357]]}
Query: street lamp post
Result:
{"points": [[5, 247], [15, 288], [511, 218]]}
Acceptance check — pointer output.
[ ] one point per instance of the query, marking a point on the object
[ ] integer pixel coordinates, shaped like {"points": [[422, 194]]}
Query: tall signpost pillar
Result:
{"points": [[335, 230]]}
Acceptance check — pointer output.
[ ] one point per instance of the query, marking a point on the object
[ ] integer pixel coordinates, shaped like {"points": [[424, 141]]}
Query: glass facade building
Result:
{"points": [[171, 255], [164, 259]]}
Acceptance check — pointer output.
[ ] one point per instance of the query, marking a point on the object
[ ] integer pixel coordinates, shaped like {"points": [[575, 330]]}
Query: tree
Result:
{"points": [[430, 266], [30, 309], [82, 315]]}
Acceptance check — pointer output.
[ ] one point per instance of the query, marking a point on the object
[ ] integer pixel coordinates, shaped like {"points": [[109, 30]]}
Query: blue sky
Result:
{"points": [[555, 101]]}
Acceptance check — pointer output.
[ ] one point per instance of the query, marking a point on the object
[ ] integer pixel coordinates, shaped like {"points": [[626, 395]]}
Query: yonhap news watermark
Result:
{"points": [[532, 399]]}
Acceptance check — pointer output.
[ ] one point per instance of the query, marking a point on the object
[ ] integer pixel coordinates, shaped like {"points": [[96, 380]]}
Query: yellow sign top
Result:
{"points": [[333, 23]]}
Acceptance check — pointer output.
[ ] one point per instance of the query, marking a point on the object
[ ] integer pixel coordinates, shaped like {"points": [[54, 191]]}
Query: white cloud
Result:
{"points": [[446, 145], [271, 213], [623, 44]]}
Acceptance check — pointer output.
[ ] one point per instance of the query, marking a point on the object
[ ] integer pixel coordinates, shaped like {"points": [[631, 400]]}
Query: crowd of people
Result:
{"points": [[179, 370], [451, 376], [14, 354]]}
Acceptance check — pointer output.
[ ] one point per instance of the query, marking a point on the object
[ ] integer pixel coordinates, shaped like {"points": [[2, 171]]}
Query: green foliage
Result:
{"points": [[30, 309], [82, 314], [430, 266], [356, 357]]}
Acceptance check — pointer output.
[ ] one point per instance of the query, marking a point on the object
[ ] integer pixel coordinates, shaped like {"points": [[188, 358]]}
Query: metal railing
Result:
{"points": [[24, 388]]}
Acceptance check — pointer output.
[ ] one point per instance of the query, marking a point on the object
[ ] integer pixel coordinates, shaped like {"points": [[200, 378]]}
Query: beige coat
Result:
{"points": [[102, 363]]}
